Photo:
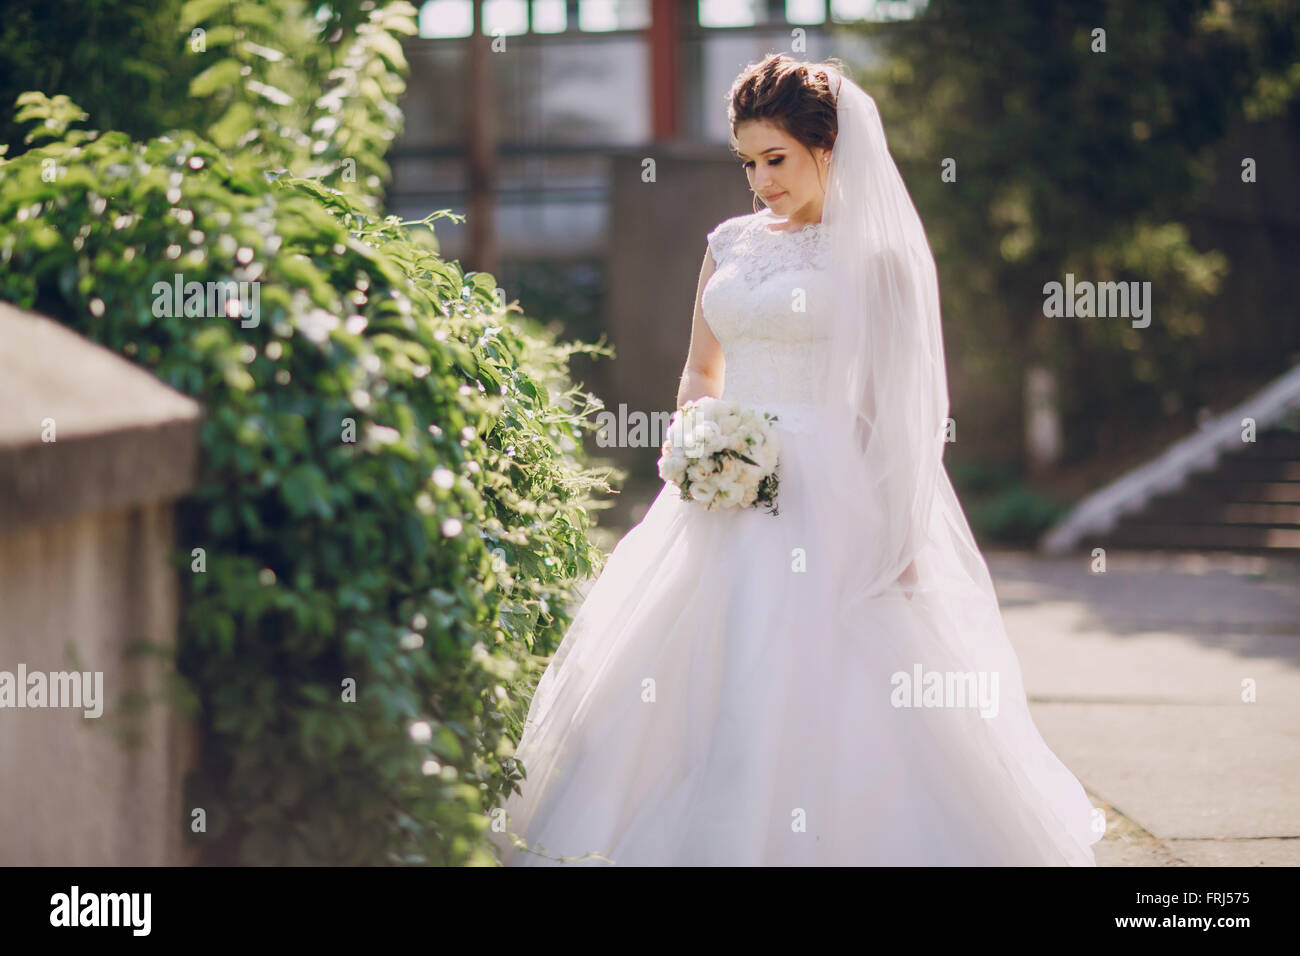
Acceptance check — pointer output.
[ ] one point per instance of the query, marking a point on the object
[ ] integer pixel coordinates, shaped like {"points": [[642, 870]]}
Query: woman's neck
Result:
{"points": [[808, 215]]}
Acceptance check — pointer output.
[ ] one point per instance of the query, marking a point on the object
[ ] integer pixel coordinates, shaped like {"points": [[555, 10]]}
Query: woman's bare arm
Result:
{"points": [[705, 367]]}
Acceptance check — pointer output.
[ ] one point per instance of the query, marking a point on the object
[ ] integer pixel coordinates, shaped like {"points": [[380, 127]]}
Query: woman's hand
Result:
{"points": [[908, 579]]}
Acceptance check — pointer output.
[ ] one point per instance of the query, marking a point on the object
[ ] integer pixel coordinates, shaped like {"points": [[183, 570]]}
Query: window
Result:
{"points": [[549, 16], [847, 11], [602, 15], [728, 13], [449, 19], [446, 18], [509, 17], [805, 11]]}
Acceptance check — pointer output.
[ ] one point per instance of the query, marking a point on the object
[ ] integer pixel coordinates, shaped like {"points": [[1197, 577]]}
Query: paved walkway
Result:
{"points": [[1135, 678]]}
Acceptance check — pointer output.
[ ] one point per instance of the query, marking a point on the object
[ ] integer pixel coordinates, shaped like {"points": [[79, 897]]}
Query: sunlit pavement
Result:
{"points": [[1138, 679]]}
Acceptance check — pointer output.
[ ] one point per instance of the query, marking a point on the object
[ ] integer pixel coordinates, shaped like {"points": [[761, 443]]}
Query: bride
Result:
{"points": [[831, 684]]}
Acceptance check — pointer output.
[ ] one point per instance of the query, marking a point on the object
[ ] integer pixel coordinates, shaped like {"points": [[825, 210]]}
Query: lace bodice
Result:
{"points": [[766, 303]]}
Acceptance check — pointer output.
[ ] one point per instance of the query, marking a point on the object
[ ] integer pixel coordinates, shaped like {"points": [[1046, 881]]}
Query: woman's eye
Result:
{"points": [[775, 162]]}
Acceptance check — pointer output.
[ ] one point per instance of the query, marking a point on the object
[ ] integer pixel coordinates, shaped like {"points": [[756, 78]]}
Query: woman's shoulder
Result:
{"points": [[724, 235]]}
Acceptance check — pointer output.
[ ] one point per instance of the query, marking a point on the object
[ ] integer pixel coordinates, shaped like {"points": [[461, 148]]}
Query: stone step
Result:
{"points": [[1137, 534], [1212, 488], [1177, 509]]}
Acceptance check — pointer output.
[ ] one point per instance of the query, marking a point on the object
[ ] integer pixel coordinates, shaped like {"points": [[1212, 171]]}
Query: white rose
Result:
{"points": [[699, 471], [708, 407], [730, 492], [730, 469], [702, 492], [730, 419], [705, 439], [672, 469], [673, 435]]}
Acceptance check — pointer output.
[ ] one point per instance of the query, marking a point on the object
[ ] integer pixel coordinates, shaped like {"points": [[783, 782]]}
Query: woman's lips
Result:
{"points": [[774, 196]]}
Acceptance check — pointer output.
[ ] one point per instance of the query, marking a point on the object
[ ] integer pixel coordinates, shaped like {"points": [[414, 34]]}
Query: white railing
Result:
{"points": [[1102, 510]]}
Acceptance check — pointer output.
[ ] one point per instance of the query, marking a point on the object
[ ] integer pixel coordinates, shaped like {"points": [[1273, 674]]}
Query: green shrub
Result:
{"points": [[979, 477], [392, 488], [1000, 506], [1016, 515], [122, 61]]}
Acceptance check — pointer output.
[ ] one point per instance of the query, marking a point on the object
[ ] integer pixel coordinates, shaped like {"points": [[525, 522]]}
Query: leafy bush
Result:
{"points": [[392, 488], [1001, 507], [1017, 515], [131, 63], [315, 93], [979, 477], [120, 61]]}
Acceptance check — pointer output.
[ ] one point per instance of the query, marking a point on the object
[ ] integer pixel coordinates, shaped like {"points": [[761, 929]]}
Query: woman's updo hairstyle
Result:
{"points": [[796, 96]]}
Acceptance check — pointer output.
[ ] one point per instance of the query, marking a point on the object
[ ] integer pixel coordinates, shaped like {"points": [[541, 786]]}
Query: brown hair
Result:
{"points": [[796, 96]]}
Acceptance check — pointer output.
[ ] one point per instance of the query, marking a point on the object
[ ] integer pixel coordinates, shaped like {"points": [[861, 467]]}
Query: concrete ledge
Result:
{"points": [[122, 438], [87, 533]]}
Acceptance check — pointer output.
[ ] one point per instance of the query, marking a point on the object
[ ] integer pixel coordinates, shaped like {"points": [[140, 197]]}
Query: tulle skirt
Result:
{"points": [[711, 704]]}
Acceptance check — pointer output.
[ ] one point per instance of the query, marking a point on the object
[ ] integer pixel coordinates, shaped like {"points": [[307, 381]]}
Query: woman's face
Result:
{"points": [[781, 170]]}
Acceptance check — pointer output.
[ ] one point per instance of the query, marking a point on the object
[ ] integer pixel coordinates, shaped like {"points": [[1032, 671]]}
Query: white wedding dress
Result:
{"points": [[711, 706]]}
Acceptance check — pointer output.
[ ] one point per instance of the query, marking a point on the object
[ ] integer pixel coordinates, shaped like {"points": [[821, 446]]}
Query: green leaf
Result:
{"points": [[197, 11], [219, 76], [388, 46], [228, 130], [464, 358], [306, 492]]}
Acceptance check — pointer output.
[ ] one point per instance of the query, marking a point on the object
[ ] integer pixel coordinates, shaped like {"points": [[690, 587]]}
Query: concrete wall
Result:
{"points": [[86, 538]]}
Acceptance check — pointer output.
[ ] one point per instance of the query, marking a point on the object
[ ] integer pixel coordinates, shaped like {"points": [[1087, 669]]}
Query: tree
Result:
{"points": [[1075, 136]]}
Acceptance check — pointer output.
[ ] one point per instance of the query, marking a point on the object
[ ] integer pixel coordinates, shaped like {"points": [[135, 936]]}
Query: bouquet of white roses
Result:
{"points": [[721, 455]]}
